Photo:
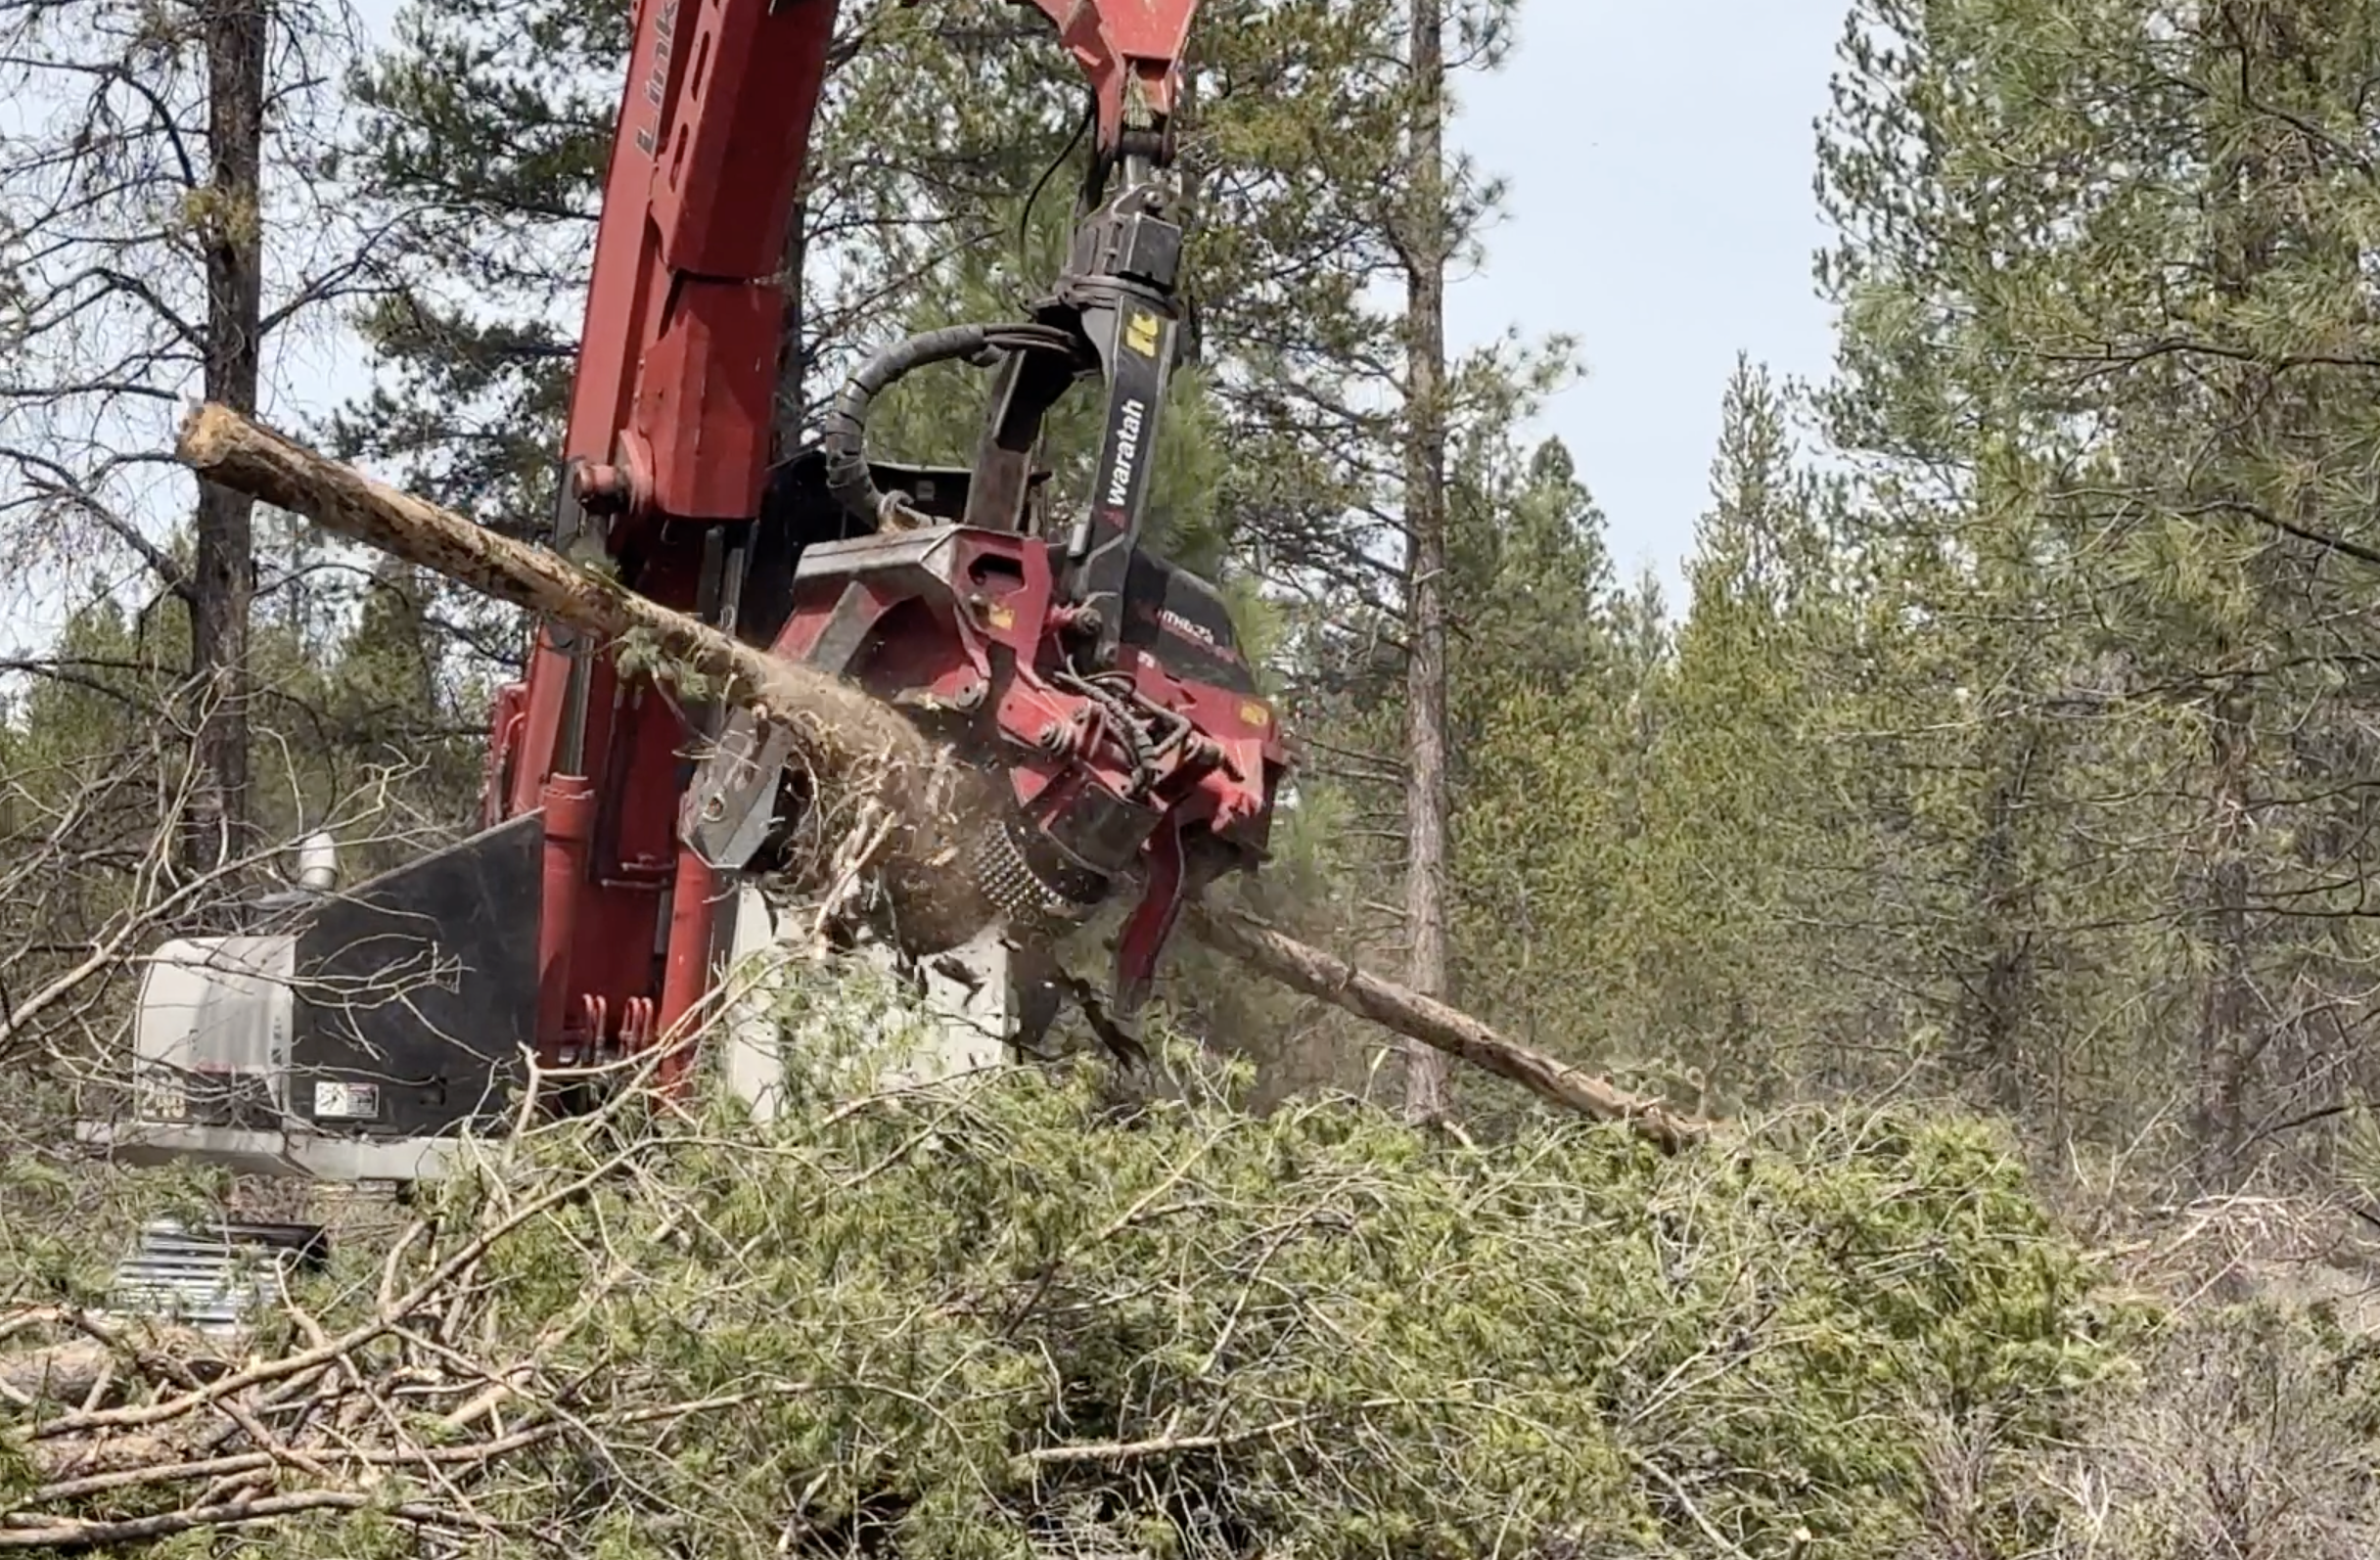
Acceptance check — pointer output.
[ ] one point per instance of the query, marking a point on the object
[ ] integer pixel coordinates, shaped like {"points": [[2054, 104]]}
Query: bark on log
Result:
{"points": [[1305, 968], [60, 1373], [851, 730], [853, 746], [847, 737]]}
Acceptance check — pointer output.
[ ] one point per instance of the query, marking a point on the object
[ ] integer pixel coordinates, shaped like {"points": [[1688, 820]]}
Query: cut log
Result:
{"points": [[1305, 968], [843, 725], [60, 1373], [849, 739], [853, 746]]}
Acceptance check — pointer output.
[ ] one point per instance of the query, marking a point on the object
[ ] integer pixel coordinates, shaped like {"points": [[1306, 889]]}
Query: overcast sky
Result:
{"points": [[1660, 158]]}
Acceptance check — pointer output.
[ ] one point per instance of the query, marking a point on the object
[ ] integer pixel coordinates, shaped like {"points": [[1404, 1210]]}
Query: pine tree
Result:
{"points": [[481, 133], [1429, 797], [1737, 848], [1541, 754], [2112, 445]]}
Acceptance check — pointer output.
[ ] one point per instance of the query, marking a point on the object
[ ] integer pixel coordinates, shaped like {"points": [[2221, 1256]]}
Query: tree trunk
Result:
{"points": [[2253, 187], [1191, 185], [852, 731], [1988, 1042], [223, 581], [793, 394], [2225, 1056], [1425, 1021], [854, 748], [1427, 797]]}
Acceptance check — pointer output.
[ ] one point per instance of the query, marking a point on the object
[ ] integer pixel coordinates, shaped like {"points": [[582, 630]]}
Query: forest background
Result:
{"points": [[2014, 739], [2015, 748]]}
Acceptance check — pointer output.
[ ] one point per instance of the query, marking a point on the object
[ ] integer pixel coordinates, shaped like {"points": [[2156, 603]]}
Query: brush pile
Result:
{"points": [[1016, 1315]]}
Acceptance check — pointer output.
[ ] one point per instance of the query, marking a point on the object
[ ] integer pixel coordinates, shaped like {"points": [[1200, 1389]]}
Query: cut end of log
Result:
{"points": [[208, 431]]}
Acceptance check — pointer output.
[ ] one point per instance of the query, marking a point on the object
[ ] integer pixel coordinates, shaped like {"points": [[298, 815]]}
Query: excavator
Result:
{"points": [[356, 1033]]}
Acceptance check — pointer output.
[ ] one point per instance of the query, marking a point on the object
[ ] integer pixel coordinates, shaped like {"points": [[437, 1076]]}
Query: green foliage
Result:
{"points": [[1738, 822], [2104, 322], [486, 127], [1543, 765], [978, 1316]]}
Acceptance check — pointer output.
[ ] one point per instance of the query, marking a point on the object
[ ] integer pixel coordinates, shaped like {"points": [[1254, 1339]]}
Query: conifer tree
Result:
{"points": [[1543, 765], [2110, 452], [1732, 841]]}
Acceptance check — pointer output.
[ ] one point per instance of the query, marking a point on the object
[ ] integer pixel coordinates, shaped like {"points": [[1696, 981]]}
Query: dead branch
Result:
{"points": [[853, 744], [1306, 969], [59, 1373]]}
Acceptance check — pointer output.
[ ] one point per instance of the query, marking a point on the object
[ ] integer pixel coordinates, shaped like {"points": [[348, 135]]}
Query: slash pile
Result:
{"points": [[1013, 1316]]}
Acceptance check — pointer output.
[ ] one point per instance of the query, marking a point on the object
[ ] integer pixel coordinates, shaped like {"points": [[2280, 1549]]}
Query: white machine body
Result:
{"points": [[216, 1015]]}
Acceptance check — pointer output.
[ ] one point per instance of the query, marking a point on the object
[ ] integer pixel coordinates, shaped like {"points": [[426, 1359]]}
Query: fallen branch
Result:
{"points": [[81, 1534], [1304, 968], [848, 738]]}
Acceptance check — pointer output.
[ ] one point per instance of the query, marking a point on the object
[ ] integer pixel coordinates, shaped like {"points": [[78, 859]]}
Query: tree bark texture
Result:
{"points": [[848, 742], [2225, 1051], [845, 737], [792, 405], [224, 579], [1428, 799]]}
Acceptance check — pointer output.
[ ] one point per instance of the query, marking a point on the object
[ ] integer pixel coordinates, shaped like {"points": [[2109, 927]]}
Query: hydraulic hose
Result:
{"points": [[844, 435]]}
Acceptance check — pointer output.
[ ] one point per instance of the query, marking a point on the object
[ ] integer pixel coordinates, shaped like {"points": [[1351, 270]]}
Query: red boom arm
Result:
{"points": [[671, 414], [1123, 43]]}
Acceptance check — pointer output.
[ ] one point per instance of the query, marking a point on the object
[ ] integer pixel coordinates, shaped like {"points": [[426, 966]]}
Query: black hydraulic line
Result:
{"points": [[843, 437]]}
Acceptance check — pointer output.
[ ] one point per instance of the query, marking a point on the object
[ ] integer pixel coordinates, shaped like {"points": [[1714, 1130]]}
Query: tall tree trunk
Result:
{"points": [[1191, 185], [223, 585], [2252, 191], [1427, 794], [1988, 1041], [2225, 1056]]}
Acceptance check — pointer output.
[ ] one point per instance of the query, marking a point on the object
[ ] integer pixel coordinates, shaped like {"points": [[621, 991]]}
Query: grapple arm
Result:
{"points": [[1104, 685], [1140, 626]]}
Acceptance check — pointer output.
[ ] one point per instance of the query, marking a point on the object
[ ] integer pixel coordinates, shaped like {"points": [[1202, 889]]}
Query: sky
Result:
{"points": [[1659, 158]]}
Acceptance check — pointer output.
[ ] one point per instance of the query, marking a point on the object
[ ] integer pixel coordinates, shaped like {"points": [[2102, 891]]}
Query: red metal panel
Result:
{"points": [[704, 405], [738, 141], [1115, 39]]}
